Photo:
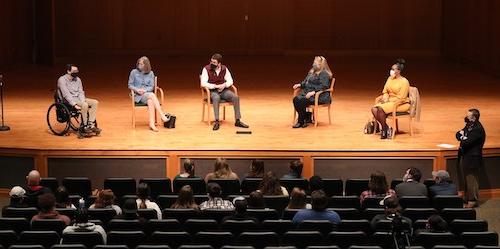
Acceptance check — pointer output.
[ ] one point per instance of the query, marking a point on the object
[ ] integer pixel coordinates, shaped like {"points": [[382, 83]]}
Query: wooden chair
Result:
{"points": [[159, 94], [395, 115], [206, 102], [317, 105]]}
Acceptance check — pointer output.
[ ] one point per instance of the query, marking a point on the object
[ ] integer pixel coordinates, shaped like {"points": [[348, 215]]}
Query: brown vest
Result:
{"points": [[213, 78]]}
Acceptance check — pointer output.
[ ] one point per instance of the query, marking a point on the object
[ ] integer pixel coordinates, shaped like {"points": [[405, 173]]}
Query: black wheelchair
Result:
{"points": [[62, 117]]}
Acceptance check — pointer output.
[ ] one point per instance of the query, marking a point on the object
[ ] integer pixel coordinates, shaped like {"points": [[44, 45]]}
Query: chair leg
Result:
{"points": [[394, 128], [410, 121], [224, 113], [133, 117], [315, 112], [294, 117], [202, 112], [329, 115], [208, 115]]}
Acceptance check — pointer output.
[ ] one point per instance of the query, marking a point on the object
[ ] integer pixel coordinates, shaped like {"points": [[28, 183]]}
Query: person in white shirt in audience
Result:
{"points": [[143, 201]]}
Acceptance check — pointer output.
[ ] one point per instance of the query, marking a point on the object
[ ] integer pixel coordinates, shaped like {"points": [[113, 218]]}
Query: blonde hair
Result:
{"points": [[323, 66], [221, 168], [147, 63]]}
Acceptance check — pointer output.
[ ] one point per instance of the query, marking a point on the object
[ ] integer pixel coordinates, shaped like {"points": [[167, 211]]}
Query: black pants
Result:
{"points": [[300, 103]]}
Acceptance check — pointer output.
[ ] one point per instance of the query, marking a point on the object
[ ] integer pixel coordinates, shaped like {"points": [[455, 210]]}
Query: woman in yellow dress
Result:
{"points": [[395, 91]]}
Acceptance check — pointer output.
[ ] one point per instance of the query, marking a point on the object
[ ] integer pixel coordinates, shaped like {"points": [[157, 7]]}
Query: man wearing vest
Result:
{"points": [[217, 78]]}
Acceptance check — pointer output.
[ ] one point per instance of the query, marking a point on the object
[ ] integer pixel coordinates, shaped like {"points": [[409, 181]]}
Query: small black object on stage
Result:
{"points": [[243, 132], [3, 127]]}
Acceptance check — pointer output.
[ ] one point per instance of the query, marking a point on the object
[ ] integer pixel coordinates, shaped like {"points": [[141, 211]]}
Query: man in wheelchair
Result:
{"points": [[71, 89]]}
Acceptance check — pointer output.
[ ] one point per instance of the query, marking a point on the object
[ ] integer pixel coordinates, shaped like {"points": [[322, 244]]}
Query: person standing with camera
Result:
{"points": [[470, 155]]}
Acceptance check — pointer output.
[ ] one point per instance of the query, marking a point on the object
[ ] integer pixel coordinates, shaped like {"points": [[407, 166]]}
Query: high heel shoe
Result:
{"points": [[383, 134]]}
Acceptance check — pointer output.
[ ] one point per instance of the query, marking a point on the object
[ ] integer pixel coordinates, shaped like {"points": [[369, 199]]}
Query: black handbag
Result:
{"points": [[371, 127], [170, 124]]}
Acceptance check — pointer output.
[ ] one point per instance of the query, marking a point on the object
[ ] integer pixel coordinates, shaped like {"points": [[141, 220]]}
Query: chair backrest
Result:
{"points": [[239, 226], [228, 186], [279, 226], [414, 97], [50, 182], [45, 238], [121, 186], [355, 186], [333, 186], [163, 225], [215, 239], [16, 224], [78, 186], [194, 226], [48, 225], [197, 184], [129, 238], [89, 239], [158, 186], [263, 214], [124, 225], [249, 185], [180, 214], [258, 239], [332, 84], [289, 184]]}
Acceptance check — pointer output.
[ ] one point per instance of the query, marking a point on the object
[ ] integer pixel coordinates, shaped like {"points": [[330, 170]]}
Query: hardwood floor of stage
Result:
{"points": [[447, 90]]}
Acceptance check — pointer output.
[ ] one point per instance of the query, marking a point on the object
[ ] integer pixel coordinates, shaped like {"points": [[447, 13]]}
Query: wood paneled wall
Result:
{"points": [[245, 26], [471, 32], [15, 32]]}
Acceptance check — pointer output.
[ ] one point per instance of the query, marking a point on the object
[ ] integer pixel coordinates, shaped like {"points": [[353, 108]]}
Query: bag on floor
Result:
{"points": [[170, 124]]}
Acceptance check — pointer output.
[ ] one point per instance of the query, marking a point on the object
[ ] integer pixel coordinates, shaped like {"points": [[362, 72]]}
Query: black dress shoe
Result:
{"points": [[216, 125], [238, 123], [298, 125], [304, 125]]}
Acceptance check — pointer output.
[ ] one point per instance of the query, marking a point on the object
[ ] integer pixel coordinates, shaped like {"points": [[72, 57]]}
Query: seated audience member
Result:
{"points": [[319, 202], [106, 199], [298, 200], [240, 205], [377, 187], [256, 169], [295, 171], [256, 200], [143, 201], [215, 201], [443, 185], [62, 198], [82, 224], [392, 211], [16, 195], [46, 204], [435, 224], [185, 199], [316, 183], [411, 185], [270, 185], [188, 170], [221, 171], [34, 189], [129, 212]]}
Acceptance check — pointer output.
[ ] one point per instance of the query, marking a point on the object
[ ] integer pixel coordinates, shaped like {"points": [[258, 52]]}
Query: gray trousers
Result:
{"points": [[226, 95]]}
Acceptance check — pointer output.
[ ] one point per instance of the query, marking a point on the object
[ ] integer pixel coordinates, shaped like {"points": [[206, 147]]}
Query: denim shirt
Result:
{"points": [[138, 80]]}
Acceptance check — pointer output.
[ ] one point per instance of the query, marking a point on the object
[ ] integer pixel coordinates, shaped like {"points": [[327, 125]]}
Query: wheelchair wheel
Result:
{"points": [[74, 122], [58, 119]]}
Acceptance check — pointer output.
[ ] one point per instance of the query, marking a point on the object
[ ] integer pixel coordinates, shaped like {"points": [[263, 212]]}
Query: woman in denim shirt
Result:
{"points": [[142, 82]]}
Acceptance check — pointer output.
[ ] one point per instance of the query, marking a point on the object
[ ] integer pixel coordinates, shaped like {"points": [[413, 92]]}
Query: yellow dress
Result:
{"points": [[394, 90]]}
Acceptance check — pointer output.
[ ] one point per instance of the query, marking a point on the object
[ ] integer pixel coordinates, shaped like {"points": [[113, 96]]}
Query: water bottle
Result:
{"points": [[81, 204]]}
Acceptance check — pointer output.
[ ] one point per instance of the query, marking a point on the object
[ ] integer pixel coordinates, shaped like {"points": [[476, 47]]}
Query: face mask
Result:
{"points": [[74, 75], [392, 72], [140, 67], [212, 66], [315, 66]]}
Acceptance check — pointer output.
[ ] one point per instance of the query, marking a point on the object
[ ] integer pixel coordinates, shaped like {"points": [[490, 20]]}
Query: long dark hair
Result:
{"points": [[257, 169], [378, 183], [270, 184], [189, 167], [185, 198], [143, 192], [297, 199]]}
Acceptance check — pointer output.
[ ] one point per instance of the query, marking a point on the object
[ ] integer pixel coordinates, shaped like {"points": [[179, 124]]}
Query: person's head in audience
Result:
{"points": [[256, 200], [391, 205], [256, 168], [16, 195], [189, 167], [105, 198], [412, 174], [214, 190], [436, 224], [221, 168], [295, 170], [33, 178], [185, 198], [441, 176], [378, 183], [319, 200], [319, 65], [62, 198], [46, 203], [129, 209], [240, 204], [316, 183], [143, 193], [297, 199], [270, 184], [82, 217]]}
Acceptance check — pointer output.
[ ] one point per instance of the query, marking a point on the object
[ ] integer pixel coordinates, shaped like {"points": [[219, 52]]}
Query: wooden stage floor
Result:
{"points": [[447, 91]]}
